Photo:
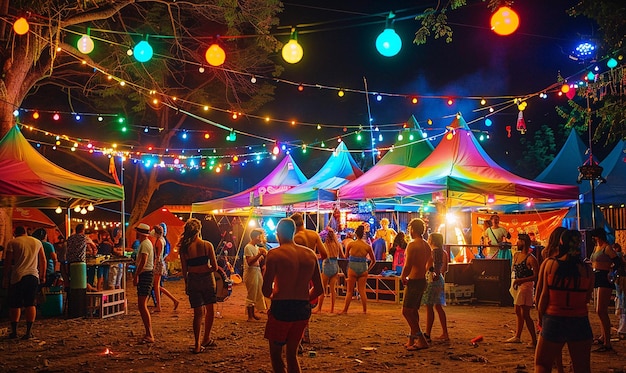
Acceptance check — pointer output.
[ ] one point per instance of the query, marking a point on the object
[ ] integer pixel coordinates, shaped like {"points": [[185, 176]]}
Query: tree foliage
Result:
{"points": [[538, 152], [179, 32]]}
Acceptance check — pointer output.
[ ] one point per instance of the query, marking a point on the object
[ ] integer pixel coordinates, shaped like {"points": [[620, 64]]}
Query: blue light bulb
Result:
{"points": [[388, 43], [143, 51]]}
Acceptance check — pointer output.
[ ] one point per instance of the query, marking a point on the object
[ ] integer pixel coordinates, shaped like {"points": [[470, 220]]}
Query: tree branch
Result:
{"points": [[165, 181], [97, 14]]}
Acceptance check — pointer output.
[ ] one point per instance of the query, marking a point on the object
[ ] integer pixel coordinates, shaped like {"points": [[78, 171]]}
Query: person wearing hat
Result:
{"points": [[143, 278], [602, 259]]}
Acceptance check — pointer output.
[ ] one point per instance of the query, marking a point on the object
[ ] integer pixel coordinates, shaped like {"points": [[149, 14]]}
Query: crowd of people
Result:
{"points": [[291, 281]]}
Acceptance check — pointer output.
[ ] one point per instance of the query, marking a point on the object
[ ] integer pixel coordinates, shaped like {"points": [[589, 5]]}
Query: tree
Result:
{"points": [[538, 152], [182, 31]]}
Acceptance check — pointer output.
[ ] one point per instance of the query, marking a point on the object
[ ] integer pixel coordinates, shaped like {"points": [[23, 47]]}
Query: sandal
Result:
{"points": [[201, 350], [210, 344], [603, 349], [415, 347], [598, 341], [427, 337]]}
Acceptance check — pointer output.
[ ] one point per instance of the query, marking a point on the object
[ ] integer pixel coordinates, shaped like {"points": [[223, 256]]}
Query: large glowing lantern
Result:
{"points": [[21, 26], [504, 21], [215, 55], [143, 51], [85, 44], [292, 51], [388, 43]]}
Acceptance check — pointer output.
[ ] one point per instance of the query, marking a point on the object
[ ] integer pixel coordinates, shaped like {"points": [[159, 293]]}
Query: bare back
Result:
{"points": [[291, 268], [200, 248], [312, 240], [417, 256]]}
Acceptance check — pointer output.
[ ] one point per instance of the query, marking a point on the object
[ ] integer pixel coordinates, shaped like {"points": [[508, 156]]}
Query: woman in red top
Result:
{"points": [[567, 285]]}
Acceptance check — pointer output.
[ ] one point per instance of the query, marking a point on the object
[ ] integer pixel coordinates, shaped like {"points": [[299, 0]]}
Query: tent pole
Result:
{"points": [[317, 228], [123, 209], [68, 226]]}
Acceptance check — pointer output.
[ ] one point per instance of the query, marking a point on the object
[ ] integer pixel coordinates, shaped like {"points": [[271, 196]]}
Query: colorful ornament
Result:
{"points": [[521, 125]]}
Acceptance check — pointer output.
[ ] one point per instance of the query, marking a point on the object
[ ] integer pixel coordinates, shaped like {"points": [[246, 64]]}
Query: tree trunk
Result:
{"points": [[147, 188]]}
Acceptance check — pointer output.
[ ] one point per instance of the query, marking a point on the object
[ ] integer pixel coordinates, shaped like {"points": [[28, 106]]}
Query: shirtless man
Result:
{"points": [[308, 237], [289, 269], [417, 257]]}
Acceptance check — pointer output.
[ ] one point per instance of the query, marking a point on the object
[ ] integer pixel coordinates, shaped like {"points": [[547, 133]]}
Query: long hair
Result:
{"points": [[552, 248], [568, 269], [193, 227], [400, 240]]}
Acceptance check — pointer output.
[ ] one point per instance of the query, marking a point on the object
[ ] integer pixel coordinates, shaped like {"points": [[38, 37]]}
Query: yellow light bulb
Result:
{"points": [[292, 51]]}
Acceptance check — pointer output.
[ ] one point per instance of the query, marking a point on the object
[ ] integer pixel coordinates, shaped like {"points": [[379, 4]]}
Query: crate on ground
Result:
{"points": [[459, 293], [103, 304]]}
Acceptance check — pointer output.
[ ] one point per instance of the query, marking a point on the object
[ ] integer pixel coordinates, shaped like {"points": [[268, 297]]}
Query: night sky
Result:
{"points": [[338, 41]]}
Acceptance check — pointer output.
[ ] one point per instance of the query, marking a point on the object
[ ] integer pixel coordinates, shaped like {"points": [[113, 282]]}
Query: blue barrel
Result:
{"points": [[78, 276]]}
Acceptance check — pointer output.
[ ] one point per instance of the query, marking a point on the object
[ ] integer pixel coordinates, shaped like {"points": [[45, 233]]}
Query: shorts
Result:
{"points": [[359, 268], [330, 267], [280, 332], [24, 292], [413, 293], [144, 286], [601, 280], [560, 329], [201, 289]]}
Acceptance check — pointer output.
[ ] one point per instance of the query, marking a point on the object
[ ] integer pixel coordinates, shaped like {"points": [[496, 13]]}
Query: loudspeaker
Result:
{"points": [[460, 274], [492, 280]]}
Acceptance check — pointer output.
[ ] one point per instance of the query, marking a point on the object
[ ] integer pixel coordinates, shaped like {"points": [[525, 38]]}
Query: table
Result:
{"points": [[378, 288]]}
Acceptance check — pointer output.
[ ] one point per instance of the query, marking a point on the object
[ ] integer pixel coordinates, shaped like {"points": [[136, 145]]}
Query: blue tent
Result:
{"points": [[613, 191], [564, 167]]}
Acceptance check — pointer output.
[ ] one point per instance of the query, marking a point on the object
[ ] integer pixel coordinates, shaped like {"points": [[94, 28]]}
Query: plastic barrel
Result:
{"points": [[53, 306], [78, 276]]}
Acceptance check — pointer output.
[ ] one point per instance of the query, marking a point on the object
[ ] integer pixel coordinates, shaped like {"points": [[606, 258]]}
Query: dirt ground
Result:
{"points": [[354, 342]]}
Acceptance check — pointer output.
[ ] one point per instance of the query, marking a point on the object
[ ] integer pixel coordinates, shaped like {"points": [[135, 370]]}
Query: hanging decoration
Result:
{"points": [[21, 26], [85, 44], [292, 51], [504, 21], [388, 43], [521, 125], [215, 55], [143, 51]]}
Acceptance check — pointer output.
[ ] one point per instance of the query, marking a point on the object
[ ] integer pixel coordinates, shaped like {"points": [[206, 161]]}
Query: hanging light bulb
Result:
{"points": [[90, 207], [215, 55], [85, 44], [388, 43], [21, 26], [83, 211], [143, 51], [292, 51], [504, 21], [77, 209], [611, 63], [58, 210]]}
